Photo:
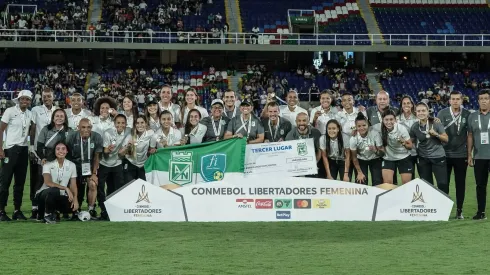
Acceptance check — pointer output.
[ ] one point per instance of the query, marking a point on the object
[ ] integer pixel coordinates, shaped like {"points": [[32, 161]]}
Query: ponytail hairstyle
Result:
{"points": [[384, 130], [339, 137], [430, 119]]}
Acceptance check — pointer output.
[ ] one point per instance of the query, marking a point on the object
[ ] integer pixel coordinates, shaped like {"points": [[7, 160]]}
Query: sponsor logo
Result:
{"points": [[321, 203], [302, 149], [263, 203], [181, 167], [283, 215], [213, 167], [143, 195], [417, 195], [244, 203], [302, 203], [283, 203]]}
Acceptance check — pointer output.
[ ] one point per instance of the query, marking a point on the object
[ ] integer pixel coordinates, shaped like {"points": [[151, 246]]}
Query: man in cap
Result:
{"points": [[246, 125], [216, 123], [14, 154]]}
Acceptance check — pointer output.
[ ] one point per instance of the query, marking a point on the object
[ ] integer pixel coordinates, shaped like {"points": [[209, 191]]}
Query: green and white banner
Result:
{"points": [[178, 166]]}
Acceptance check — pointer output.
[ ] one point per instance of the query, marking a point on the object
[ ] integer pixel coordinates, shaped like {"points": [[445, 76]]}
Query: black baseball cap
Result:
{"points": [[246, 102]]}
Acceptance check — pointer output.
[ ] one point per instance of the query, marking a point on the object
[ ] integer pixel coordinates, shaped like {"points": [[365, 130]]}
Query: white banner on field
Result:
{"points": [[273, 198], [287, 158]]}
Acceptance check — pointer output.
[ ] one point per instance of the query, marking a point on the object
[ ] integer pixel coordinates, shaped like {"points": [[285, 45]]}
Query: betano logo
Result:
{"points": [[244, 203], [321, 203], [302, 203], [143, 195], [417, 195]]}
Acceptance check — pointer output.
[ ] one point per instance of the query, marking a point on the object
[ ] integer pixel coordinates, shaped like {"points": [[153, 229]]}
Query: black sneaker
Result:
{"points": [[104, 216], [34, 214], [58, 216], [74, 217], [4, 217], [93, 214], [459, 214], [19, 216], [66, 217], [480, 216], [50, 219]]}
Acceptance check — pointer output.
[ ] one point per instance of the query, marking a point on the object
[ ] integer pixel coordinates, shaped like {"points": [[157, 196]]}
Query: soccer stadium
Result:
{"points": [[244, 136]]}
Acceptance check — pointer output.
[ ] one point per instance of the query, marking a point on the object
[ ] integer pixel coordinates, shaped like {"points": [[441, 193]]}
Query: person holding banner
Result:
{"points": [[136, 150], [193, 131], [325, 112], [167, 135], [291, 111], [59, 190], [14, 153], [191, 102], [231, 110], [305, 131], [479, 150], [366, 151], [334, 153], [429, 136], [152, 113], [76, 113], [111, 169], [216, 124], [41, 116], [246, 125], [407, 118], [397, 144], [276, 127], [86, 147], [455, 122], [104, 108], [166, 104]]}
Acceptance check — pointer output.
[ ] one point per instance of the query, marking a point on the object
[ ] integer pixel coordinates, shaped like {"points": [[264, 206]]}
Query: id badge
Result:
{"points": [[484, 138], [86, 169]]}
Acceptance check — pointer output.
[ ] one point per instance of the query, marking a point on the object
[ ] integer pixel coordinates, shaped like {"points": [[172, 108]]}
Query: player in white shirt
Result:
{"points": [[76, 112], [193, 132], [136, 150], [59, 190], [41, 116], [167, 135], [320, 115], [152, 114], [14, 153], [130, 109], [291, 110], [104, 108], [397, 143], [191, 102], [166, 104], [407, 118]]}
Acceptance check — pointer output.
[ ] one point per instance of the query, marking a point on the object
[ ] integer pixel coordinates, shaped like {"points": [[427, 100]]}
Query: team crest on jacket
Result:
{"points": [[213, 167]]}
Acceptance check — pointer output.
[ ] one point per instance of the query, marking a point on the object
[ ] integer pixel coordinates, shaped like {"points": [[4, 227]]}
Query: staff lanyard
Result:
{"points": [[234, 112], [276, 128], [479, 124], [81, 148], [48, 112], [24, 122], [217, 132], [456, 119], [244, 126], [61, 171]]}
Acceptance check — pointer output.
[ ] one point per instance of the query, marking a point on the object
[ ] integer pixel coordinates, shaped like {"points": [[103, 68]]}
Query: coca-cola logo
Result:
{"points": [[263, 203]]}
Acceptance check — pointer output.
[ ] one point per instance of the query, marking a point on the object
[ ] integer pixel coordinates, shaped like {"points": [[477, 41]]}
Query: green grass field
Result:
{"points": [[454, 247]]}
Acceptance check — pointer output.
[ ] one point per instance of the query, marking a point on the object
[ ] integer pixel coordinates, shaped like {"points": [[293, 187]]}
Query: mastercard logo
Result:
{"points": [[302, 203]]}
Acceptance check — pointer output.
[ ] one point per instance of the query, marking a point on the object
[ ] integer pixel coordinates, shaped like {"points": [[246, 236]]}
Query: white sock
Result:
{"points": [[34, 208], [91, 207]]}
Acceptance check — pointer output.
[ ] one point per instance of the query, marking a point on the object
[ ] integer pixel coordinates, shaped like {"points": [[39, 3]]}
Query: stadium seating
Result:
{"points": [[412, 82], [443, 17], [332, 16]]}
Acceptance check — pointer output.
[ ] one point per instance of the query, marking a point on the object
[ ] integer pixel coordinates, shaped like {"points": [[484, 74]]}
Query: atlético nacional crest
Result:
{"points": [[181, 167], [213, 167], [302, 149]]}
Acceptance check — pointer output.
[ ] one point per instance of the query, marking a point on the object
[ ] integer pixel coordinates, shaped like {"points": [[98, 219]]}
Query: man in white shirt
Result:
{"points": [[14, 153], [291, 110], [41, 116]]}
